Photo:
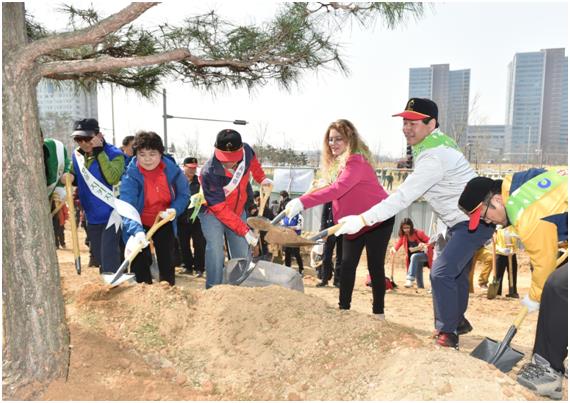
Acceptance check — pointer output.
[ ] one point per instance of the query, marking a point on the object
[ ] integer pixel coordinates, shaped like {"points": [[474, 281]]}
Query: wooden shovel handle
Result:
{"points": [[520, 317], [71, 206], [264, 196], [326, 232]]}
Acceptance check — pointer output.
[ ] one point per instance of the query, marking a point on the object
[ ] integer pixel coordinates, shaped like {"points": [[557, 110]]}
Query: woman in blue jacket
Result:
{"points": [[153, 184]]}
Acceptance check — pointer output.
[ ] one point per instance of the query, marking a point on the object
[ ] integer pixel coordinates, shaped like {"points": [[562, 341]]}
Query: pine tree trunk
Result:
{"points": [[35, 334]]}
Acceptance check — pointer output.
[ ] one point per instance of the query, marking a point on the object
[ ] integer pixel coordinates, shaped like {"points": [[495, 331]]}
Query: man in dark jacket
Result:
{"points": [[225, 183], [190, 228]]}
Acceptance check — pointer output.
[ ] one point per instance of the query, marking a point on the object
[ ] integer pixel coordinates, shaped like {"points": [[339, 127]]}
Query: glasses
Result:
{"points": [[336, 140], [80, 139], [487, 205]]}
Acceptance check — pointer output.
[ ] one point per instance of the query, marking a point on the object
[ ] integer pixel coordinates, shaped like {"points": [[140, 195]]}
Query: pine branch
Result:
{"points": [[91, 35]]}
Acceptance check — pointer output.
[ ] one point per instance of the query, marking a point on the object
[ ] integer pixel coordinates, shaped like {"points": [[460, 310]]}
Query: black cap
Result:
{"points": [[256, 194], [190, 160], [85, 127], [471, 200], [228, 140], [419, 109]]}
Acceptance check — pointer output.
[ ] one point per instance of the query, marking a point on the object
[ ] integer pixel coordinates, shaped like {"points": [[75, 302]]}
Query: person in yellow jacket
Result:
{"points": [[535, 204]]}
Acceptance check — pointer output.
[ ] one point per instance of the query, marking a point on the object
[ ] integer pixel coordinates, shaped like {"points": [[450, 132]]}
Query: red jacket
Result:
{"points": [[418, 236], [213, 177]]}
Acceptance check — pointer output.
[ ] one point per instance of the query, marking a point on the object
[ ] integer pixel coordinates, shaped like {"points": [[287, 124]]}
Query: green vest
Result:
{"points": [[56, 162], [531, 191], [433, 140]]}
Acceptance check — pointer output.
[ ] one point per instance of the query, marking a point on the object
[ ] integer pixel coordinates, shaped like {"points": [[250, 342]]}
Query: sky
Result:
{"points": [[481, 36]]}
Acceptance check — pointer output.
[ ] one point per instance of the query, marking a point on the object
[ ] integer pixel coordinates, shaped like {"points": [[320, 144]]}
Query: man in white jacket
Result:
{"points": [[440, 175]]}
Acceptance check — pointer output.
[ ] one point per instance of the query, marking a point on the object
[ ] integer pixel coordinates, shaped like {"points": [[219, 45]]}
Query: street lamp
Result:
{"points": [[166, 116]]}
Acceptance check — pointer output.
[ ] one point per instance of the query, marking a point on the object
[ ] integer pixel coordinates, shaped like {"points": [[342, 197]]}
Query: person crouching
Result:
{"points": [[153, 184]]}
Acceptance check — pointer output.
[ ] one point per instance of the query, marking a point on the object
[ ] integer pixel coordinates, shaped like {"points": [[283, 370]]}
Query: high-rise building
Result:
{"points": [[60, 104], [537, 107], [450, 90], [485, 143]]}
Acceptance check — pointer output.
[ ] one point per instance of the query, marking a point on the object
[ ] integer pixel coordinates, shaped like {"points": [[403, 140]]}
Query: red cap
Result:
{"points": [[411, 115], [229, 156], [475, 217]]}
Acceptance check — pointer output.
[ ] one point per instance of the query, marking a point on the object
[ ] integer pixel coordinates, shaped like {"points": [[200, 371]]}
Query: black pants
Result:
{"points": [[502, 271], [58, 232], [376, 243], [552, 328], [328, 249], [163, 240], [289, 252], [191, 231]]}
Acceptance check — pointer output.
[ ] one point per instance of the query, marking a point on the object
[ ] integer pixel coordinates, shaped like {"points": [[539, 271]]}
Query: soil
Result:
{"points": [[156, 342]]}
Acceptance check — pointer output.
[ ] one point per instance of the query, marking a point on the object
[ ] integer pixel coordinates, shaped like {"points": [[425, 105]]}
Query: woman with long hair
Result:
{"points": [[353, 188], [418, 251]]}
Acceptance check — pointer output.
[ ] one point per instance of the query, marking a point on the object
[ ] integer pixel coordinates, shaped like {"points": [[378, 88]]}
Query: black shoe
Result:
{"points": [[322, 284], [447, 340], [464, 327], [200, 273], [512, 295], [188, 272]]}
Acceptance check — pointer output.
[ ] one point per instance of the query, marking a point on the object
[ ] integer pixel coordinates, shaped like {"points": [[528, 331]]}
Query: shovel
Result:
{"points": [[114, 279], [243, 269], [493, 286], [264, 196], [289, 238], [74, 238], [501, 355]]}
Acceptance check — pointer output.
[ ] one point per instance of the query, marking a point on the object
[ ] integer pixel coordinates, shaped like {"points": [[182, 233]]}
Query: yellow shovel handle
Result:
{"points": [[520, 317], [158, 222], [71, 207]]}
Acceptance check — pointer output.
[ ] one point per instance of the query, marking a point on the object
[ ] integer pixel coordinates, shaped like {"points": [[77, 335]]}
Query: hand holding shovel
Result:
{"points": [[117, 278]]}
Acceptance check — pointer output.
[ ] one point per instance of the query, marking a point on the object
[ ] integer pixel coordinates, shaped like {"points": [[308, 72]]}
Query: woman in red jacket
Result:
{"points": [[418, 251], [354, 188]]}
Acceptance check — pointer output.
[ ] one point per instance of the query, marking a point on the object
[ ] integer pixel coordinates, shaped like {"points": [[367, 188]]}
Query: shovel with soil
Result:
{"points": [[114, 279]]}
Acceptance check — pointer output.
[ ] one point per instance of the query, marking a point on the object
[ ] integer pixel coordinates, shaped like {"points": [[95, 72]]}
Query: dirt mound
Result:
{"points": [[276, 344]]}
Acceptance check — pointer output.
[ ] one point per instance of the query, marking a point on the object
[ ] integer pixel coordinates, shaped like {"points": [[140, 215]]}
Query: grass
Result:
{"points": [[148, 334]]}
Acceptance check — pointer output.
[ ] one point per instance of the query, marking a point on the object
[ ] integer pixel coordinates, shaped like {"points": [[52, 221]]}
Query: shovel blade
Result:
{"points": [[259, 223], [488, 351], [238, 270], [492, 289], [108, 278]]}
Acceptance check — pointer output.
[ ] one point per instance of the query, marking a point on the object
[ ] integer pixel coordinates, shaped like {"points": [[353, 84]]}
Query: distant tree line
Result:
{"points": [[269, 155]]}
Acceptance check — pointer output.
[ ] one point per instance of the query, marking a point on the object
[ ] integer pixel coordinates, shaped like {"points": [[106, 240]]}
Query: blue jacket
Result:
{"points": [[132, 191], [96, 211]]}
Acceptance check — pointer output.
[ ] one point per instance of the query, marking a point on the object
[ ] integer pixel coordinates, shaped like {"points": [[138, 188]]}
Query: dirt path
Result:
{"points": [[140, 342]]}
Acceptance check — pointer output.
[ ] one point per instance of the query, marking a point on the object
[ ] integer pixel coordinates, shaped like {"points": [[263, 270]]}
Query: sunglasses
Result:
{"points": [[80, 139]]}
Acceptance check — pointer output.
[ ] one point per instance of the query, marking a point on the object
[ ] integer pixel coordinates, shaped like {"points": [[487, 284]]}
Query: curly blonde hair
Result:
{"points": [[330, 165]]}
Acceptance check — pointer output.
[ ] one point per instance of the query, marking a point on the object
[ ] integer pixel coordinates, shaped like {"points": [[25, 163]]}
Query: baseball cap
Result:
{"points": [[228, 146], [471, 200], [190, 162], [418, 109], [85, 128]]}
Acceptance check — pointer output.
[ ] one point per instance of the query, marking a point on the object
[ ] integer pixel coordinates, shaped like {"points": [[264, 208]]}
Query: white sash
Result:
{"points": [[234, 182], [103, 193], [60, 163]]}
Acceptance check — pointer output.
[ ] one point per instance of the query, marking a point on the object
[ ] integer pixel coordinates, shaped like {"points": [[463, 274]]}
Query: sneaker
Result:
{"points": [[539, 377], [200, 273], [464, 327], [409, 283], [187, 271], [447, 340], [322, 284]]}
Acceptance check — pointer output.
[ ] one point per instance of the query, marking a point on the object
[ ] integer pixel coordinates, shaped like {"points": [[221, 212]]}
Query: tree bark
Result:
{"points": [[35, 334]]}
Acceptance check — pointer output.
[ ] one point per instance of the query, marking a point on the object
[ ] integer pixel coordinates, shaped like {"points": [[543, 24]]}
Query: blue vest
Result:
{"points": [[96, 211], [292, 222]]}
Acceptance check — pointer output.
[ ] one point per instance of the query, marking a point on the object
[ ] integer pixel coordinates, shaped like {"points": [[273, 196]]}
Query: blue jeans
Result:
{"points": [[450, 274], [214, 231], [415, 271]]}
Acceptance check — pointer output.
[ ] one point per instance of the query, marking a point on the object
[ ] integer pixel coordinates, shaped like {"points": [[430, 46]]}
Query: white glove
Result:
{"points": [[294, 207], [251, 238], [134, 241], [167, 212], [530, 304], [352, 224], [266, 182], [60, 192]]}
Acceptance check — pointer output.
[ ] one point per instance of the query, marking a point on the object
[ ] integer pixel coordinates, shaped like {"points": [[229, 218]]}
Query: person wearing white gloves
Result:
{"points": [[154, 185], [354, 187], [534, 203], [440, 174], [225, 183]]}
